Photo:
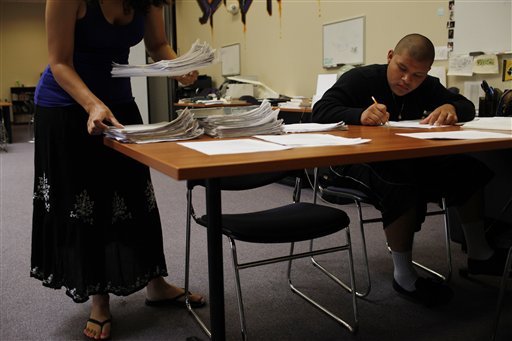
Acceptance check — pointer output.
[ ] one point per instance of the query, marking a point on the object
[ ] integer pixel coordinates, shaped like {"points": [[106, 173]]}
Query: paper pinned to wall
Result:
{"points": [[441, 52], [460, 65], [486, 64]]}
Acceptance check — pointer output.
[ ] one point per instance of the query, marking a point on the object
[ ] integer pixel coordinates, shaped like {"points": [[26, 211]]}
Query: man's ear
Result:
{"points": [[390, 55]]}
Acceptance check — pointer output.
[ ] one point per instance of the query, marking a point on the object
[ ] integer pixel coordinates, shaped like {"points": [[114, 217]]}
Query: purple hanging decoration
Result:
{"points": [[208, 7], [269, 6], [244, 8]]}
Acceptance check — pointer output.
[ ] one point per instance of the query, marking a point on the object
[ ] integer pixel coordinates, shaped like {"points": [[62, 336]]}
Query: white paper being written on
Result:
{"points": [[411, 124], [222, 147], [457, 135]]}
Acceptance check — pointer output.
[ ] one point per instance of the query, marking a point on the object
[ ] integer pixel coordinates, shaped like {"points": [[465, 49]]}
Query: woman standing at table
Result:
{"points": [[96, 226]]}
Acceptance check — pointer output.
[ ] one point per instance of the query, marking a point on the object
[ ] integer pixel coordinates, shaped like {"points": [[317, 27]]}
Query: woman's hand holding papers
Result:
{"points": [[187, 79]]}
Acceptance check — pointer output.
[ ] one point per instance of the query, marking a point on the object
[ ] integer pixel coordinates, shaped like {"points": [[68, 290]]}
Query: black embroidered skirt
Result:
{"points": [[96, 227]]}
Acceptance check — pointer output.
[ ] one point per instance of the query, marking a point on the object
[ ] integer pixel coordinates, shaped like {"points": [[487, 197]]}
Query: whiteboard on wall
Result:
{"points": [[230, 58], [484, 25], [343, 42]]}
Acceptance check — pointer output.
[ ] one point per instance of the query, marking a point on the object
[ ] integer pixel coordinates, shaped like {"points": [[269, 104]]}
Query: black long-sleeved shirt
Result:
{"points": [[352, 94]]}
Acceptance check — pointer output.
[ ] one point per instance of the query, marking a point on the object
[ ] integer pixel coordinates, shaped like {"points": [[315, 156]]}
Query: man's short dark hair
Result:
{"points": [[417, 47]]}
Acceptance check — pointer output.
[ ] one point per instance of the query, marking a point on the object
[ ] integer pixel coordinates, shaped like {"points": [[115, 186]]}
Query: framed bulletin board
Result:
{"points": [[343, 42], [230, 59]]}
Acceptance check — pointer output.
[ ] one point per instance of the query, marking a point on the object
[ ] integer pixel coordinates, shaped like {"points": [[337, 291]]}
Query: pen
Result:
{"points": [[375, 101]]}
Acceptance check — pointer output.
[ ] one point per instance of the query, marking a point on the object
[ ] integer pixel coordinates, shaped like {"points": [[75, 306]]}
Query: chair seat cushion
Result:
{"points": [[291, 223]]}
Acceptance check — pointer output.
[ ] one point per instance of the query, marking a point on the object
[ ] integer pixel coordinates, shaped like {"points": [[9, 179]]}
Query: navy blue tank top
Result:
{"points": [[97, 44]]}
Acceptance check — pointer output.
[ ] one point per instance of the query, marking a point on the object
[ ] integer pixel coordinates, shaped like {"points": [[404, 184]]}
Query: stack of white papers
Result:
{"points": [[261, 120], [184, 127], [199, 56]]}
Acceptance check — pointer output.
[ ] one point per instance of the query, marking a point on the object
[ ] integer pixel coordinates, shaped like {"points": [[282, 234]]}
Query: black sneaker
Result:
{"points": [[494, 266], [429, 292]]}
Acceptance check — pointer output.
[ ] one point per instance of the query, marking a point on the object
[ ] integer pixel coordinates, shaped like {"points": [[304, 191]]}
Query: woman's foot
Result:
{"points": [[161, 293], [100, 321]]}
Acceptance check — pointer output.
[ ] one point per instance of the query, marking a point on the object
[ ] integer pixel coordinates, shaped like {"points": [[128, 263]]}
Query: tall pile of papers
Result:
{"points": [[199, 56], [258, 121], [184, 127]]}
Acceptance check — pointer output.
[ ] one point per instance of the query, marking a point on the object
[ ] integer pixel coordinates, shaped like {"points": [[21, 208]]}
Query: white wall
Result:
{"points": [[139, 84], [285, 50]]}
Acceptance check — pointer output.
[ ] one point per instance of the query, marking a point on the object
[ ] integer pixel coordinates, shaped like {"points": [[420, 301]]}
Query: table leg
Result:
{"points": [[215, 259]]}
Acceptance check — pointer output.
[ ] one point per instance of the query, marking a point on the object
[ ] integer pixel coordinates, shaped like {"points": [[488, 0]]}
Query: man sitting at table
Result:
{"points": [[402, 90]]}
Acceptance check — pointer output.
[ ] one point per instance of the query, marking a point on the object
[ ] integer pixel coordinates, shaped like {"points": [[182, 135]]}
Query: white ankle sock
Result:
{"points": [[478, 248], [404, 273]]}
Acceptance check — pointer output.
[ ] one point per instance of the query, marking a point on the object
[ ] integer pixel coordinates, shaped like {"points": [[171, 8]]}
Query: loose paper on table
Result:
{"points": [[493, 123], [311, 140], [222, 147], [457, 135]]}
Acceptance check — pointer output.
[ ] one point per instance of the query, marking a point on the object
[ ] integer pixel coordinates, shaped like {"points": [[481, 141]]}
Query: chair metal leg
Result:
{"points": [[444, 278], [503, 284], [352, 328], [187, 266], [368, 287], [362, 293], [241, 313]]}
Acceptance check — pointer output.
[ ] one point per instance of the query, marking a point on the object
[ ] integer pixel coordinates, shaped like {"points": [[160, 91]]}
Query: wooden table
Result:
{"points": [[182, 163]]}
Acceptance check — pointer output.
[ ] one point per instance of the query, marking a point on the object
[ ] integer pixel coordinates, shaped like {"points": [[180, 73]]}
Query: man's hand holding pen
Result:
{"points": [[375, 115]]}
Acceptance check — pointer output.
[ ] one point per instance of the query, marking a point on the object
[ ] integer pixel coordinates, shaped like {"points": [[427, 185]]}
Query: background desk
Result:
{"points": [[181, 163], [295, 115], [5, 108]]}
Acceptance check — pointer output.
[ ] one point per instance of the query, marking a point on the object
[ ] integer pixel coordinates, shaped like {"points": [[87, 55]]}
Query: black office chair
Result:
{"points": [[345, 195], [293, 222]]}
